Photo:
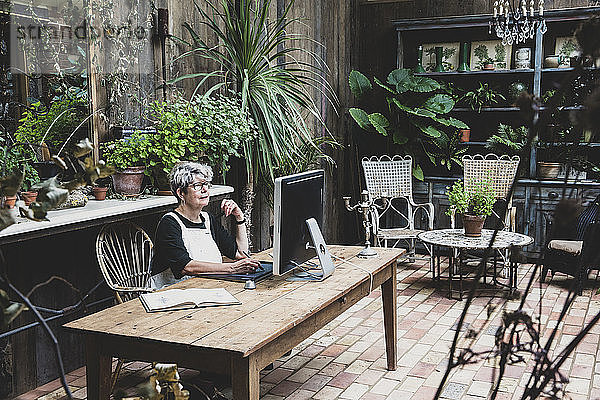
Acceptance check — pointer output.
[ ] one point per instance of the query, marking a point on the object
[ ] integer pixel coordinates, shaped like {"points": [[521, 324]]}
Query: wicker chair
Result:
{"points": [[124, 251], [389, 183]]}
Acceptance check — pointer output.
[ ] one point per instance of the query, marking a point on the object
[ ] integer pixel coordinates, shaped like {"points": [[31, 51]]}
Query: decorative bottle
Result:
{"points": [[465, 49], [439, 58], [419, 67]]}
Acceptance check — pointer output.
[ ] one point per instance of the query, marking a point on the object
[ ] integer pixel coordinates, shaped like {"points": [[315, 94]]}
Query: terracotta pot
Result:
{"points": [[129, 181], [473, 224], [548, 170], [164, 193], [99, 192], [29, 197], [464, 135], [9, 201], [489, 67]]}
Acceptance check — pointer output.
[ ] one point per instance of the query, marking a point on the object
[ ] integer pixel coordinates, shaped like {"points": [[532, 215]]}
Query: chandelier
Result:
{"points": [[515, 21]]}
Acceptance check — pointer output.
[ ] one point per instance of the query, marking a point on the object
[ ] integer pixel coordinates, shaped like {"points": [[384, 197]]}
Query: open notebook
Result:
{"points": [[179, 299]]}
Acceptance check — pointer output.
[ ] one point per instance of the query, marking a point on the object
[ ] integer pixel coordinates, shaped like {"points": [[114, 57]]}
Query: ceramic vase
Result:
{"points": [[439, 58], [419, 67], [465, 49]]}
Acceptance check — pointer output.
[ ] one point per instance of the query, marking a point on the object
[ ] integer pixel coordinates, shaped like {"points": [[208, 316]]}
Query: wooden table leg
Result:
{"points": [[98, 371], [245, 378], [388, 295]]}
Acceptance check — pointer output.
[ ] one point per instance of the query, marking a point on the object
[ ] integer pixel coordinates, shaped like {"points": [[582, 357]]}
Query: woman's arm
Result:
{"points": [[230, 207], [241, 266]]}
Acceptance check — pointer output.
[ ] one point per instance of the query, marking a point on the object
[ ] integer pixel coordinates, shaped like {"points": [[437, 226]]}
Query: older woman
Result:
{"points": [[190, 241]]}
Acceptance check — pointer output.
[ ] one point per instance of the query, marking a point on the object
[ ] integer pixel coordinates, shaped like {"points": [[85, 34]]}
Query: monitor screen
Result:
{"points": [[297, 198]]}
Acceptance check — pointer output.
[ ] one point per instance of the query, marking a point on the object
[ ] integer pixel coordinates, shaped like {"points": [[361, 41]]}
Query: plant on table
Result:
{"points": [[413, 101], [474, 202]]}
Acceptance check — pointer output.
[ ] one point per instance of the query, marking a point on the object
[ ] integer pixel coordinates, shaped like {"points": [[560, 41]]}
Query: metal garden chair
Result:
{"points": [[124, 252], [500, 172], [389, 183]]}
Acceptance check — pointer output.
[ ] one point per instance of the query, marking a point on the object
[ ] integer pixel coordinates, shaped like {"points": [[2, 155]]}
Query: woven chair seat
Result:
{"points": [[568, 246], [398, 233]]}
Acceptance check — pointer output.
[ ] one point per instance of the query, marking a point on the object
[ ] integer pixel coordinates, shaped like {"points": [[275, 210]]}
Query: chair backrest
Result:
{"points": [[590, 252], [499, 171], [124, 252], [387, 176]]}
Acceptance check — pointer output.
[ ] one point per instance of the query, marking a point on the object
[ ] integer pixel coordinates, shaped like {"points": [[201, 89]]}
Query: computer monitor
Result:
{"points": [[298, 198]]}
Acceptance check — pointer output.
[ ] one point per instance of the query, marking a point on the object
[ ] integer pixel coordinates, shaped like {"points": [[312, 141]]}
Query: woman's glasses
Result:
{"points": [[198, 186]]}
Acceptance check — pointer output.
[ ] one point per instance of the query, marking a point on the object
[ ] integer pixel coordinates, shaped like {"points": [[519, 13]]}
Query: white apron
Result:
{"points": [[200, 246]]}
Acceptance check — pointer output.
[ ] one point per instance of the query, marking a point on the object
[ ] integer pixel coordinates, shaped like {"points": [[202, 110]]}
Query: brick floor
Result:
{"points": [[346, 359]]}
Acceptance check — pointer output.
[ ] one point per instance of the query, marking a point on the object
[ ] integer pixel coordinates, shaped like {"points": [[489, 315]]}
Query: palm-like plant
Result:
{"points": [[259, 59]]}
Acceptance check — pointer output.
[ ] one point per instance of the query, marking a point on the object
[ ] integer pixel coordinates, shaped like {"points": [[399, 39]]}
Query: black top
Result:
{"points": [[169, 250]]}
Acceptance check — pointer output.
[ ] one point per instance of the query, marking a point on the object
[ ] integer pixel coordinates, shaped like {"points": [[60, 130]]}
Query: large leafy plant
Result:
{"points": [[276, 78], [416, 101], [260, 60], [212, 128]]}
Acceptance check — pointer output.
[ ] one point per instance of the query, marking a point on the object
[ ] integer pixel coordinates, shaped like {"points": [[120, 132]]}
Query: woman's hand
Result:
{"points": [[243, 266], [230, 207]]}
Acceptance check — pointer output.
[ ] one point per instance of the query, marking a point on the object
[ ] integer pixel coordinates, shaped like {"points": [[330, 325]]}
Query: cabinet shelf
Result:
{"points": [[486, 109], [473, 143], [556, 144], [471, 73]]}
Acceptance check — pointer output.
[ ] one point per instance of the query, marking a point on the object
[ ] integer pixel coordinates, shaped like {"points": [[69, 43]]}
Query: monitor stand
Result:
{"points": [[323, 254]]}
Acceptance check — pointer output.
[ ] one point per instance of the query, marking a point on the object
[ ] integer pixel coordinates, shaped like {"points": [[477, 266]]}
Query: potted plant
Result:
{"points": [[48, 129], [17, 157], [127, 156], [211, 129], [474, 203], [483, 96]]}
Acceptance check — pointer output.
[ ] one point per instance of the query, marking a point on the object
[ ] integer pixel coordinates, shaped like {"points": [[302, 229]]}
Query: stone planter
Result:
{"points": [[548, 170], [129, 181], [99, 192], [473, 224]]}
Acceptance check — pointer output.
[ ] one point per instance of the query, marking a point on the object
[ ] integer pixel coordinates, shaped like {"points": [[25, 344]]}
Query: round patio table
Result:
{"points": [[459, 243]]}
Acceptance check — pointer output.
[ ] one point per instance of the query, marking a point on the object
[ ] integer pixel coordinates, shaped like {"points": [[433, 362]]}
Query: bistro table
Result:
{"points": [[459, 243]]}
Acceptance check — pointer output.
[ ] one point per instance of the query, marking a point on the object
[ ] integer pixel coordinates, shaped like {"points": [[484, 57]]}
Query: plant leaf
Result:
{"points": [[379, 122], [418, 172], [422, 84], [361, 118], [359, 84], [399, 139], [440, 103]]}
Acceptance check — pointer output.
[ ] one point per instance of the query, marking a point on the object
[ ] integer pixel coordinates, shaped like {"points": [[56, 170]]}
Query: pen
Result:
{"points": [[247, 254]]}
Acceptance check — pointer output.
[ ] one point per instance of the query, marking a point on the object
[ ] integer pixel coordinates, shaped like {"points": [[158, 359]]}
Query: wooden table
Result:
{"points": [[237, 340]]}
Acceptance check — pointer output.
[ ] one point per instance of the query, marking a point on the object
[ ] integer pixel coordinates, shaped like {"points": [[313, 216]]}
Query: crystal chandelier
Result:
{"points": [[514, 21]]}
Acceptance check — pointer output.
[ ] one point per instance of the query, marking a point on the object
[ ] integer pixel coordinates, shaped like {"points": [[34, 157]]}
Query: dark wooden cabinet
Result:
{"points": [[535, 198]]}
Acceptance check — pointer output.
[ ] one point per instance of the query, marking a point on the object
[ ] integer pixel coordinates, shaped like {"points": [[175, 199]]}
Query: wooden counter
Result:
{"points": [[96, 213]]}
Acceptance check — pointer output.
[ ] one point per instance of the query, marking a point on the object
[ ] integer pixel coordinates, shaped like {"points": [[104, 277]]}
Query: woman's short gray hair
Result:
{"points": [[183, 174]]}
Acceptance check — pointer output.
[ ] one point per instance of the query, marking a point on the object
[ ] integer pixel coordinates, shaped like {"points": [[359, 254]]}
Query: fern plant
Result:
{"points": [[508, 140]]}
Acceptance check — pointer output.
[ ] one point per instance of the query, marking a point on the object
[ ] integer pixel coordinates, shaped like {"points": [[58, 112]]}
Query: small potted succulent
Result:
{"points": [[474, 202]]}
